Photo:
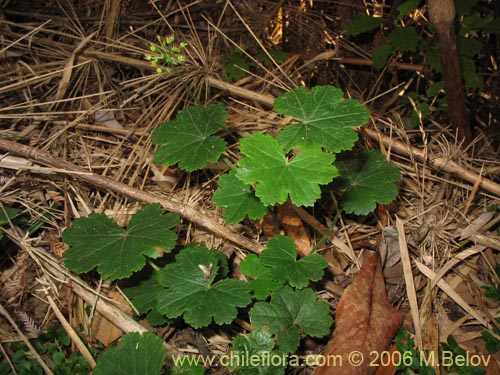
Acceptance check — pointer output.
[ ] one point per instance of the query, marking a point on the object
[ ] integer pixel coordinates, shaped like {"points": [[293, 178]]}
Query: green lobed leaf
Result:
{"points": [[367, 179], [237, 198], [258, 346], [189, 141], [97, 241], [281, 257], [143, 296], [263, 283], [326, 119], [404, 38], [362, 25], [191, 288], [136, 355], [278, 178], [291, 313]]}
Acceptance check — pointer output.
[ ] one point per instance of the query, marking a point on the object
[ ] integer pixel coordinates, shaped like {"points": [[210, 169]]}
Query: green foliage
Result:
{"points": [[405, 8], [362, 25], [195, 287], [263, 283], [53, 344], [136, 355], [278, 177], [278, 262], [166, 55], [237, 65], [6, 214], [493, 291], [143, 296], [412, 362], [290, 313], [366, 179], [259, 344], [326, 120], [454, 351], [238, 199], [404, 39], [189, 141], [492, 343], [191, 367], [97, 241]]}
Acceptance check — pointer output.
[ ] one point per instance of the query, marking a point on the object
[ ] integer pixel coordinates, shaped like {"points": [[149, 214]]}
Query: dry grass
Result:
{"points": [[65, 65]]}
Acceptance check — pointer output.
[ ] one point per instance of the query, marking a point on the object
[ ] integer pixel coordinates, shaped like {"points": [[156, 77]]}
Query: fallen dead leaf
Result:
{"points": [[366, 322]]}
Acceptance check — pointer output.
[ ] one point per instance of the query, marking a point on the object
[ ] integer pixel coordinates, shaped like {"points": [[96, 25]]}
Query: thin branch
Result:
{"points": [[194, 215]]}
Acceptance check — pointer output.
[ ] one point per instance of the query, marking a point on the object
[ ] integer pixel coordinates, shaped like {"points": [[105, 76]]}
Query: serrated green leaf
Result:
{"points": [[97, 241], [280, 256], [326, 119], [291, 313], [237, 198], [405, 8], [258, 345], [278, 178], [368, 179], [189, 141], [263, 284], [191, 289], [362, 25], [404, 38], [136, 355], [143, 296]]}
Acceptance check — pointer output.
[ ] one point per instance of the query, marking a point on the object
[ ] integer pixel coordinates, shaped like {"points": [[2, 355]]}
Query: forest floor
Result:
{"points": [[80, 100]]}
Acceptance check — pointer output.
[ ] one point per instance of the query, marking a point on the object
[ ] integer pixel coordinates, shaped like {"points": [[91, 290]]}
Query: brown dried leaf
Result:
{"points": [[366, 322], [294, 228]]}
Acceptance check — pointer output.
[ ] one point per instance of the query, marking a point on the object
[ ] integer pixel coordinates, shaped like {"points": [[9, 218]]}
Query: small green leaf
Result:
{"points": [[368, 179], [404, 38], [278, 178], [492, 343], [291, 313], [189, 141], [258, 345], [362, 25], [281, 257], [136, 355], [472, 79], [238, 200], [191, 289], [97, 241], [326, 119], [405, 8]]}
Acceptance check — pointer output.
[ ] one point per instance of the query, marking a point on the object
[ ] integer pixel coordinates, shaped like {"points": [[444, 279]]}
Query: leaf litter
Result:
{"points": [[435, 202]]}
